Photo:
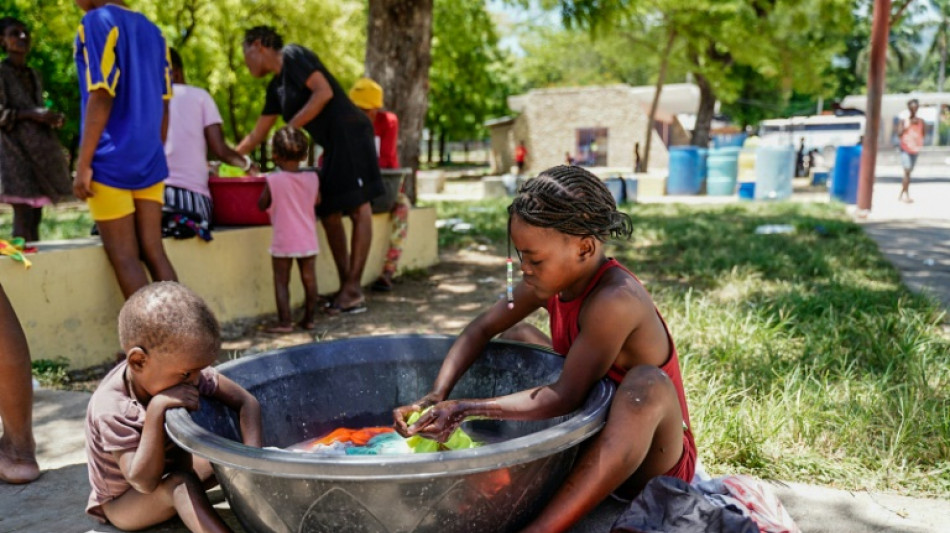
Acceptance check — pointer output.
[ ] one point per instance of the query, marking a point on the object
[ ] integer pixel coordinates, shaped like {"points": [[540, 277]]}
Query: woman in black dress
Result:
{"points": [[307, 96], [33, 168]]}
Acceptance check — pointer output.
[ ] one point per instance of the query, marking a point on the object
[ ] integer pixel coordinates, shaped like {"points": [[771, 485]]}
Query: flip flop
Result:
{"points": [[334, 310], [279, 329], [306, 326]]}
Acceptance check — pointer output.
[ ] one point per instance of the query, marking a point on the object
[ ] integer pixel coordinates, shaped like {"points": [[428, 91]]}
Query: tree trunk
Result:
{"points": [[704, 115], [430, 144], [942, 73], [651, 118], [442, 159], [398, 54]]}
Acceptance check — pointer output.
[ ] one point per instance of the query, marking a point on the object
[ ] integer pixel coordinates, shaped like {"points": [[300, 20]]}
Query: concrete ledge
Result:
{"points": [[69, 301]]}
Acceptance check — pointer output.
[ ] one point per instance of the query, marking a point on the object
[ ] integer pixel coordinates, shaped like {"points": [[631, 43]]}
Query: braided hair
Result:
{"points": [[571, 200], [6, 22], [290, 144], [267, 35]]}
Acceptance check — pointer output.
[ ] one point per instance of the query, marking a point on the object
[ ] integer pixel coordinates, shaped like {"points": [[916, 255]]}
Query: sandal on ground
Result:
{"points": [[358, 307], [307, 326]]}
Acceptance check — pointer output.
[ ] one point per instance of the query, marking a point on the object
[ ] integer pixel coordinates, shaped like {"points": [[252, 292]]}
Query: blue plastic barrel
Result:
{"points": [[844, 179], [701, 172], [774, 168], [722, 171], [684, 170], [617, 188], [728, 140], [632, 185], [747, 190]]}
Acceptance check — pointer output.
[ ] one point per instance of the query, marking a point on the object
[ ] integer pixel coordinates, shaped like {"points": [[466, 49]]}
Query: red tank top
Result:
{"points": [[564, 331]]}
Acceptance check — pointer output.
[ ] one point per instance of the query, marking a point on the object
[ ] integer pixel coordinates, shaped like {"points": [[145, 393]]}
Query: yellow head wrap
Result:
{"points": [[367, 94]]}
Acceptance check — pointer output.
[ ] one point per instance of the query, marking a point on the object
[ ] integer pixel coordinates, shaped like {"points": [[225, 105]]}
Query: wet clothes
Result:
{"points": [[350, 171], [565, 329], [670, 505]]}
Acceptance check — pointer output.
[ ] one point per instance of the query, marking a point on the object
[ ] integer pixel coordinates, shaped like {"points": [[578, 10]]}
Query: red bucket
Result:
{"points": [[235, 201]]}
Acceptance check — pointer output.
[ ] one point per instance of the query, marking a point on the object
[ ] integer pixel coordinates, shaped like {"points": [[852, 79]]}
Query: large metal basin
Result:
{"points": [[306, 391]]}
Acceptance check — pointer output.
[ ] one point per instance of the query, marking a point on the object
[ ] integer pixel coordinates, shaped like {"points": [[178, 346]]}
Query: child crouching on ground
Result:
{"points": [[289, 197], [603, 322], [139, 477]]}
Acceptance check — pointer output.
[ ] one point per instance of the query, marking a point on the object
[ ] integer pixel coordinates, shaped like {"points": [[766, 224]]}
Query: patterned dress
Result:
{"points": [[33, 165]]}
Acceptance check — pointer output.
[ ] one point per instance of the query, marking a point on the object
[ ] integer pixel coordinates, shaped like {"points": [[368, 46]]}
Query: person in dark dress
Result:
{"points": [[33, 167], [307, 96]]}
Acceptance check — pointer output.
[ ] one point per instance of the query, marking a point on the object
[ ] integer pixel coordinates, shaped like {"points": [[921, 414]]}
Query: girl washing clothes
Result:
{"points": [[603, 322], [289, 197]]}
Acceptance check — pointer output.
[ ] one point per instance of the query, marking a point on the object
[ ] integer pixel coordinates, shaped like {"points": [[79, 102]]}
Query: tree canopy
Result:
{"points": [[470, 78]]}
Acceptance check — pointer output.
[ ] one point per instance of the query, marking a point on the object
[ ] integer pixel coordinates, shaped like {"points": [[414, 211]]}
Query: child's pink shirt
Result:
{"points": [[292, 213], [114, 421]]}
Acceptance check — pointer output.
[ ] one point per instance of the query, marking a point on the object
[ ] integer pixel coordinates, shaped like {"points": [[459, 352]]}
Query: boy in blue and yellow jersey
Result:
{"points": [[125, 84]]}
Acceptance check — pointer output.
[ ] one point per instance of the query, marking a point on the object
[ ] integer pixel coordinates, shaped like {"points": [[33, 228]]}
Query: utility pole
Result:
{"points": [[880, 28]]}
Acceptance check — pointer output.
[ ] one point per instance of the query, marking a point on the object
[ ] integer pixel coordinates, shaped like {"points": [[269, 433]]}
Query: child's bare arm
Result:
{"points": [[468, 347], [249, 409], [606, 322], [264, 201], [98, 109], [258, 134], [165, 117], [316, 201], [144, 466]]}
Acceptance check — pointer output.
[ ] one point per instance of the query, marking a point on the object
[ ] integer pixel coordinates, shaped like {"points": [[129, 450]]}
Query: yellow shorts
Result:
{"points": [[110, 203]]}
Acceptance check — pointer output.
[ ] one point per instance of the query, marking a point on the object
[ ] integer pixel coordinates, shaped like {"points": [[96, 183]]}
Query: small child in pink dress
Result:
{"points": [[289, 198]]}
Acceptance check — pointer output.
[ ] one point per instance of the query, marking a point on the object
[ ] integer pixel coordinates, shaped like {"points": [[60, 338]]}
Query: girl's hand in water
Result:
{"points": [[439, 422], [400, 414]]}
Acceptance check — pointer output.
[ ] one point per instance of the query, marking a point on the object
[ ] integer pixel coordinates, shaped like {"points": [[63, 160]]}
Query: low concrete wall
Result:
{"points": [[69, 300]]}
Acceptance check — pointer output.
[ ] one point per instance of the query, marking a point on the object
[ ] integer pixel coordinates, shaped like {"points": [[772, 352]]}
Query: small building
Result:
{"points": [[596, 126]]}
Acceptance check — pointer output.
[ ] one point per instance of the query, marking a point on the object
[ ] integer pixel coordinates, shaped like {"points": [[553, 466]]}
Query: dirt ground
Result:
{"points": [[440, 300]]}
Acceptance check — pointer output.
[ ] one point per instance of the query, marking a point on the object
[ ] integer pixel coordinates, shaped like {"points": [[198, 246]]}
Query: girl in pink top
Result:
{"points": [[289, 198]]}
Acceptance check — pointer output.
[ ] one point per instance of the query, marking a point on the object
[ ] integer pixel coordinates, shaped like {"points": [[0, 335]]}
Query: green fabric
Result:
{"points": [[458, 441], [228, 171]]}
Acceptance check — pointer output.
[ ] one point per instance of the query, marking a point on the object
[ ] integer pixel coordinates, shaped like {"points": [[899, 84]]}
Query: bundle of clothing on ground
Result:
{"points": [[729, 504]]}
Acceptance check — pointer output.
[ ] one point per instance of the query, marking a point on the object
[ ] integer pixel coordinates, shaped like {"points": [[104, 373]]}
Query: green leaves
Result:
{"points": [[469, 79]]}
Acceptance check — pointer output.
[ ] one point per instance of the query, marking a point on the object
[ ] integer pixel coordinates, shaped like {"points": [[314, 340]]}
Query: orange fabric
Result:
{"points": [[358, 437]]}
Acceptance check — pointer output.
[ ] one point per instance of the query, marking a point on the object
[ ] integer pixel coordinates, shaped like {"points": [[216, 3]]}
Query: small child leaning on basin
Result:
{"points": [[603, 322], [139, 477], [289, 197]]}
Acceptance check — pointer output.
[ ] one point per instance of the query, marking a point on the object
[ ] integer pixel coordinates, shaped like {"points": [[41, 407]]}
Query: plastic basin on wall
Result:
{"points": [[235, 201]]}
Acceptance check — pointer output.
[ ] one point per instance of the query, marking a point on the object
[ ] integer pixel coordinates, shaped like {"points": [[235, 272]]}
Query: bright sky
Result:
{"points": [[513, 19]]}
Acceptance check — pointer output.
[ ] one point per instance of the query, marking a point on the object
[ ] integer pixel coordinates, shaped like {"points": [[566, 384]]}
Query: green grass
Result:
{"points": [[51, 372], [804, 357], [58, 223]]}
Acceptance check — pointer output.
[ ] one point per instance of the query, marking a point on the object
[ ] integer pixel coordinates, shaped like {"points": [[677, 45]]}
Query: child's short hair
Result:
{"points": [[160, 316], [267, 35], [290, 144], [571, 200]]}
